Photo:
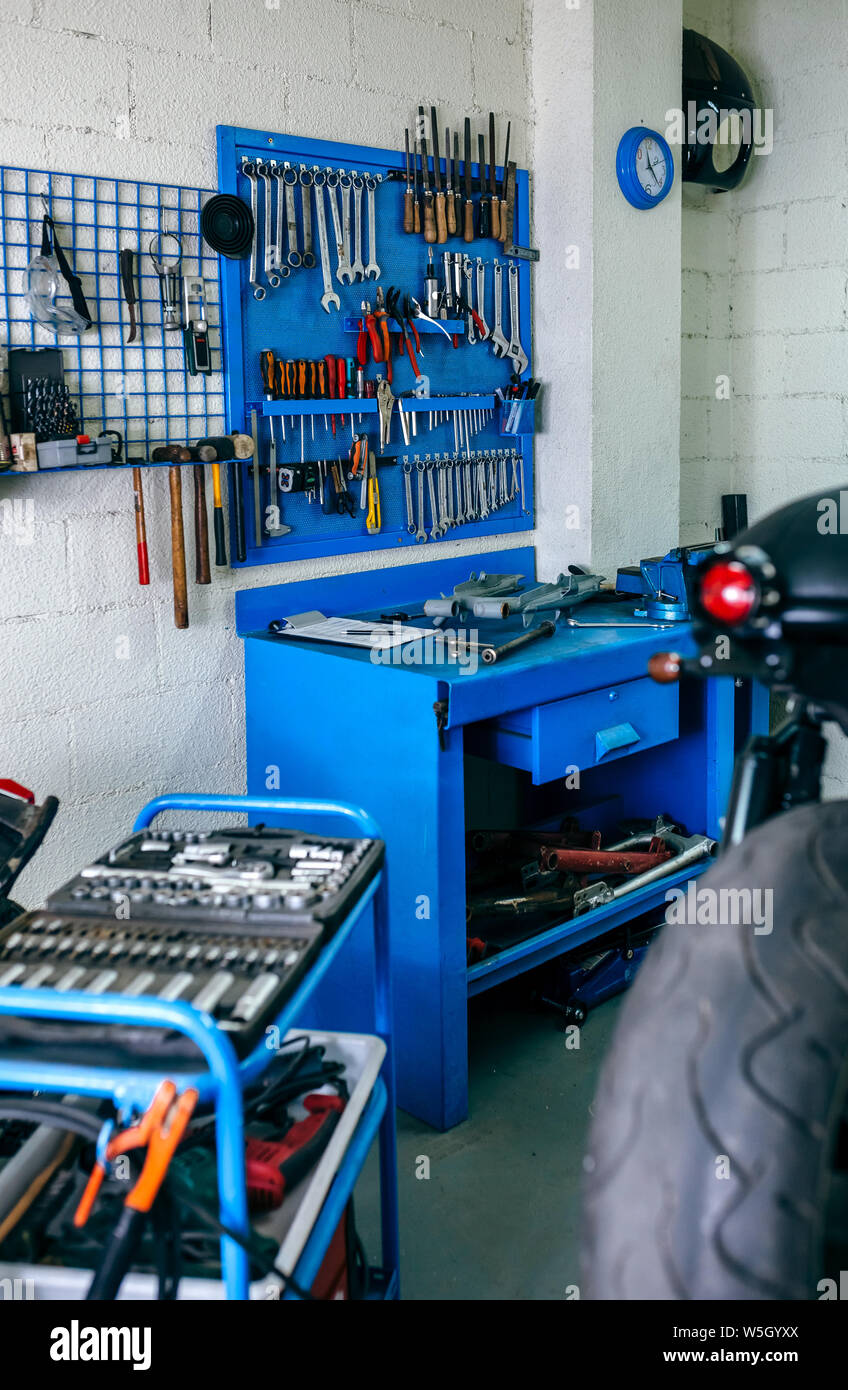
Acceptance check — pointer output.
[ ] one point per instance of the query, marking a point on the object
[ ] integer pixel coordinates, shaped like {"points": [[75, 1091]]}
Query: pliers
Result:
{"points": [[160, 1130]]}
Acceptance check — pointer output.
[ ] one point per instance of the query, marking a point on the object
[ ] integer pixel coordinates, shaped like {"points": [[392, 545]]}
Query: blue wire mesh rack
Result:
{"points": [[141, 389]]}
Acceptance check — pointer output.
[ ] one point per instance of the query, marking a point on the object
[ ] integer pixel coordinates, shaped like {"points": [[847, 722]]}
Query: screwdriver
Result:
{"points": [[331, 386]]}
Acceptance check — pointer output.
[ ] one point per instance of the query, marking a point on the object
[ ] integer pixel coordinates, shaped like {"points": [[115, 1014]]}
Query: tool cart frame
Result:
{"points": [[223, 1082]]}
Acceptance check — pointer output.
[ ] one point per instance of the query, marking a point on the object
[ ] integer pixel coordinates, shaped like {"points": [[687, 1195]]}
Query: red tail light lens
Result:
{"points": [[728, 592]]}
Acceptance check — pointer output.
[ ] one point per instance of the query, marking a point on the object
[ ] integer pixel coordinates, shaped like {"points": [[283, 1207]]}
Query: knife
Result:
{"points": [[429, 216], [502, 215], [468, 210], [127, 280], [450, 206], [493, 191], [484, 202], [441, 226]]}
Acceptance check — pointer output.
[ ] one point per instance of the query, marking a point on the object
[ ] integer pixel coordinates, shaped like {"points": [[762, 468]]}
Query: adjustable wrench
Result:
{"points": [[357, 267], [500, 346], [263, 171], [342, 246], [329, 296], [249, 171], [486, 332], [515, 350], [294, 257], [372, 270], [308, 258]]}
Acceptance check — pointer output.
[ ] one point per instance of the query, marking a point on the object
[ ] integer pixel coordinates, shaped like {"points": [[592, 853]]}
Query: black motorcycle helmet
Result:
{"points": [[772, 605]]}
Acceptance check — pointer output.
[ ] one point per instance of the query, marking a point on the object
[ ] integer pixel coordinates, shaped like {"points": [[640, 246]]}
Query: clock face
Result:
{"points": [[651, 168]]}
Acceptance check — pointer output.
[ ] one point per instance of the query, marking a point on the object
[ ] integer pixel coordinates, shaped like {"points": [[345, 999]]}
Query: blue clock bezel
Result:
{"points": [[625, 167]]}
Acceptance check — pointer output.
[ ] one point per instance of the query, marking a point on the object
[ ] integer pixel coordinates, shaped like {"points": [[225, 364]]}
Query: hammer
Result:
{"points": [[175, 455]]}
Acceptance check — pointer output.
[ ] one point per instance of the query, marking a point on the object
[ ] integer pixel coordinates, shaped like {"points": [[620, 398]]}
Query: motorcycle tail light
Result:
{"points": [[729, 592]]}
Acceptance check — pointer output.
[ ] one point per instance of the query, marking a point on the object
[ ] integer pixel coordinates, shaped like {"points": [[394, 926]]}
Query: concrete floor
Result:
{"points": [[499, 1216]]}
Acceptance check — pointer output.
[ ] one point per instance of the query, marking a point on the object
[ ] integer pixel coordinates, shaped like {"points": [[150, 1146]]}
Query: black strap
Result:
{"points": [[72, 280]]}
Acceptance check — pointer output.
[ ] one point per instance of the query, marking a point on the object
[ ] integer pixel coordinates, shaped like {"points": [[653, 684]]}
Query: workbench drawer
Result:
{"points": [[582, 731]]}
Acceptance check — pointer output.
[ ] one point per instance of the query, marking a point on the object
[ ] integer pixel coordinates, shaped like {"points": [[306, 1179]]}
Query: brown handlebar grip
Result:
{"points": [[416, 216], [495, 222], [468, 211], [429, 220], [450, 211], [202, 571], [178, 561], [408, 215], [664, 667], [441, 224]]}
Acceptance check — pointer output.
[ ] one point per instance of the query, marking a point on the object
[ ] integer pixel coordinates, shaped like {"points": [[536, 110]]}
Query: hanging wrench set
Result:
{"points": [[347, 343]]}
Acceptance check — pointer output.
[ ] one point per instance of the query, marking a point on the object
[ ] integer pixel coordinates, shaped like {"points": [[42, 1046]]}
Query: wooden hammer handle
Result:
{"points": [[178, 559], [202, 572]]}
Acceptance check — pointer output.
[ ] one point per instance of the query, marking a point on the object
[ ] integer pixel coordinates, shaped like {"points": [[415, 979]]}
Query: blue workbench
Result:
{"points": [[326, 721]]}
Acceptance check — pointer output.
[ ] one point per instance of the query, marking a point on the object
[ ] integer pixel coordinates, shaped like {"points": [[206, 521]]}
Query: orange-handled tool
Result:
{"points": [[330, 363], [341, 381]]}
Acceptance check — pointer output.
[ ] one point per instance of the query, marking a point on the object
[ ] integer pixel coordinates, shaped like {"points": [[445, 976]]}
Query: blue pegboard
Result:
{"points": [[141, 389], [291, 323]]}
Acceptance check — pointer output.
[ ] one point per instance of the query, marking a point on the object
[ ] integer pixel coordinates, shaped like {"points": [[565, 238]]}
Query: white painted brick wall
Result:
{"points": [[135, 90], [788, 282]]}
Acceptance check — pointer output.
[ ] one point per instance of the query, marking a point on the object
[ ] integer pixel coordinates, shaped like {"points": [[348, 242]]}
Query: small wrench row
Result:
{"points": [[462, 276], [460, 488], [275, 185]]}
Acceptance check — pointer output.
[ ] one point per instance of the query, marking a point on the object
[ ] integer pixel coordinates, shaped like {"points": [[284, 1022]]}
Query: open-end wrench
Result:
{"points": [[407, 492], [467, 270], [515, 350], [294, 258], [249, 171], [343, 269], [500, 346], [372, 270], [308, 259], [329, 296], [263, 171], [357, 265], [420, 534], [436, 527], [485, 332]]}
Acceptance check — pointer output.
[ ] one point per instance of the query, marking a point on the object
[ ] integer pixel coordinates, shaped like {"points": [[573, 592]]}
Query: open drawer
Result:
{"points": [[581, 731]]}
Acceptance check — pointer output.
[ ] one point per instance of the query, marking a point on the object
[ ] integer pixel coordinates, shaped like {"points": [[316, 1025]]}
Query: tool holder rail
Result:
{"points": [[222, 1083]]}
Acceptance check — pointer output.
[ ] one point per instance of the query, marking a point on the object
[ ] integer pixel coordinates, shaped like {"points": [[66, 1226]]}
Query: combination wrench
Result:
{"points": [[407, 492], [357, 266], [500, 346], [420, 534], [471, 332], [329, 296], [342, 247], [372, 270], [515, 350], [249, 171], [294, 257], [264, 172], [306, 176], [486, 331]]}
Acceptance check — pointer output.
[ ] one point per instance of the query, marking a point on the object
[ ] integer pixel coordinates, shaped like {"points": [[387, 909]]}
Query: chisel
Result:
{"points": [[257, 494], [441, 225], [468, 210], [502, 212], [494, 219], [408, 197], [429, 209], [484, 202]]}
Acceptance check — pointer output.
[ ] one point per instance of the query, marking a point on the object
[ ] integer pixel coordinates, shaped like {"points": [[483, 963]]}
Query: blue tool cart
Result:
{"points": [[459, 416], [347, 726], [222, 1082]]}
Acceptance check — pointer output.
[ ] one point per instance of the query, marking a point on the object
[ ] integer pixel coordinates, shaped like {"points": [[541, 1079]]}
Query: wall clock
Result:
{"points": [[644, 166]]}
